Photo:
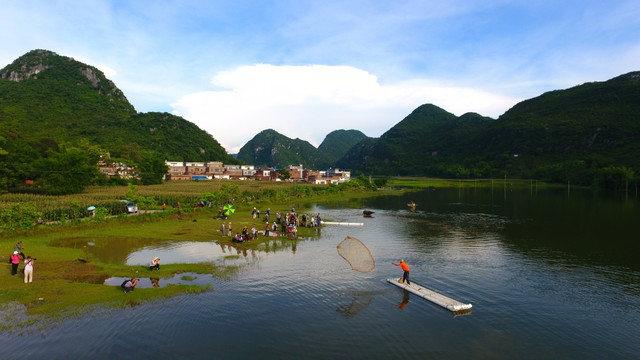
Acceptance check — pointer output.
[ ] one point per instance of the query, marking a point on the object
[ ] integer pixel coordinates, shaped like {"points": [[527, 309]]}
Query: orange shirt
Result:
{"points": [[404, 266]]}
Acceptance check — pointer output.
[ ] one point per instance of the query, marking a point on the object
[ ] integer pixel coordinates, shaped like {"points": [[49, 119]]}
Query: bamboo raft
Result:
{"points": [[434, 297]]}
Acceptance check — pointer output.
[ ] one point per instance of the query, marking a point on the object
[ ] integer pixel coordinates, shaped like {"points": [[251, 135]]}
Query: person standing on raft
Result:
{"points": [[405, 268]]}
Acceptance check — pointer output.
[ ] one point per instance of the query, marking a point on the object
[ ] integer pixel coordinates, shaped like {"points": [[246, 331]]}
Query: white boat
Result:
{"points": [[434, 297], [342, 223]]}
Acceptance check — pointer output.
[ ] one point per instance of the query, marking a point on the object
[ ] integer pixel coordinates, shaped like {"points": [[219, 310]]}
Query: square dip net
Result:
{"points": [[356, 254]]}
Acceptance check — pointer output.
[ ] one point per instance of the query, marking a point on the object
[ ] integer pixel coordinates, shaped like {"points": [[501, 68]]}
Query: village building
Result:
{"points": [[247, 170], [215, 168], [295, 172], [185, 170], [233, 171], [117, 169], [263, 174]]}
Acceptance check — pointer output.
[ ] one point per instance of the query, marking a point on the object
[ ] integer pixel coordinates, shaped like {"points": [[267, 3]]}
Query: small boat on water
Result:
{"points": [[367, 213]]}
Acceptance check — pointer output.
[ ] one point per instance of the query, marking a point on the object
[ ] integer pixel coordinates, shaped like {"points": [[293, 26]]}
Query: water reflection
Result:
{"points": [[586, 225], [541, 287], [357, 304], [136, 251], [156, 282], [405, 299]]}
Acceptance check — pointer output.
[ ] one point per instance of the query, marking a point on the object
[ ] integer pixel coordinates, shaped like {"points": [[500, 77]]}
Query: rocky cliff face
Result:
{"points": [[88, 72], [24, 72], [36, 61]]}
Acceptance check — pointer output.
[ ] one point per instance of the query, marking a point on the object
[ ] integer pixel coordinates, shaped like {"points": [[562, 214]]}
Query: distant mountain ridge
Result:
{"points": [[272, 149], [337, 143], [585, 134]]}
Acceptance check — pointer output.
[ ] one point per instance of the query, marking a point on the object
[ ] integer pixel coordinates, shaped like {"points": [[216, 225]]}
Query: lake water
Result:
{"points": [[550, 274]]}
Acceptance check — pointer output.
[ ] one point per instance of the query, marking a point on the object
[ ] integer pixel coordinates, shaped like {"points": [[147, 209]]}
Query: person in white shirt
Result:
{"points": [[28, 270]]}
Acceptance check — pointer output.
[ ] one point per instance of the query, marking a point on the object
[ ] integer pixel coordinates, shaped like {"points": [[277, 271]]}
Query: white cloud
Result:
{"points": [[311, 101], [108, 72]]}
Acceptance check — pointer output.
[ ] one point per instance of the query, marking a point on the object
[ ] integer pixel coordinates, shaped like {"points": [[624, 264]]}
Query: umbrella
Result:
{"points": [[91, 208], [228, 209]]}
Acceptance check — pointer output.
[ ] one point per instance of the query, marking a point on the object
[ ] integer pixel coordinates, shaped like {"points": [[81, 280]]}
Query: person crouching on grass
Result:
{"points": [[130, 285], [155, 264]]}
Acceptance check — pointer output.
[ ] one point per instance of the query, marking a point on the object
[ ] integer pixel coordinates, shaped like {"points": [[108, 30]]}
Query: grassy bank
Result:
{"points": [[69, 276], [422, 183]]}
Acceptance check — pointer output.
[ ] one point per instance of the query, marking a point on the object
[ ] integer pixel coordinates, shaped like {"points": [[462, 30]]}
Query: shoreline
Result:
{"points": [[68, 280]]}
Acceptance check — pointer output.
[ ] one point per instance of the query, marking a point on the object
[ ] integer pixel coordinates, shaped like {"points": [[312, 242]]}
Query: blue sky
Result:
{"points": [[305, 68]]}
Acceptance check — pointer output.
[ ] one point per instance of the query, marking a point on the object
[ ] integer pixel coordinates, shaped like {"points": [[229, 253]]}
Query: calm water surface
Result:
{"points": [[549, 276]]}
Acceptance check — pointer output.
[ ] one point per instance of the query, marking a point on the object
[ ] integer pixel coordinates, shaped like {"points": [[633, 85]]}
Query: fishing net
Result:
{"points": [[356, 254]]}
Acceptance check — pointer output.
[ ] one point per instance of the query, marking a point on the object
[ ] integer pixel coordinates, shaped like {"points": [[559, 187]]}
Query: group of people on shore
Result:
{"points": [[16, 257], [287, 224], [246, 234], [290, 222]]}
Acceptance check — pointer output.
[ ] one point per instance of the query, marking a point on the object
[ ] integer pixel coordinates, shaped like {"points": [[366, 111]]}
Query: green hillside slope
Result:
{"points": [[336, 144], [58, 116], [586, 134], [417, 145], [45, 95], [272, 149]]}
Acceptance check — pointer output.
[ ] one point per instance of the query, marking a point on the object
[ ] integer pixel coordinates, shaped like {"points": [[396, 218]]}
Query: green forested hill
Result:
{"points": [[336, 144], [272, 149], [586, 134], [56, 112], [45, 95], [594, 119], [417, 145]]}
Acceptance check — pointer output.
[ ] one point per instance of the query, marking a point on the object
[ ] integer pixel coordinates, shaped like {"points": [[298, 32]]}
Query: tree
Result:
{"points": [[66, 172], [132, 152], [146, 202], [132, 193], [615, 177], [284, 174], [19, 216], [380, 182], [152, 169], [228, 192], [143, 202]]}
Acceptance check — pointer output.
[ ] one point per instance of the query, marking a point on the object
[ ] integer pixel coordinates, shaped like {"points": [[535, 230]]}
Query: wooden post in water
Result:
{"points": [[505, 186]]}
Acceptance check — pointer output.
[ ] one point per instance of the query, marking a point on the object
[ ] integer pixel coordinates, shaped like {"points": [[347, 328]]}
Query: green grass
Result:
{"points": [[421, 183], [69, 274], [69, 277]]}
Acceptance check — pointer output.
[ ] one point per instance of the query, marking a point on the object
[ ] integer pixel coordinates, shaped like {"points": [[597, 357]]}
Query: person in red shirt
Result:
{"points": [[405, 268], [15, 260]]}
